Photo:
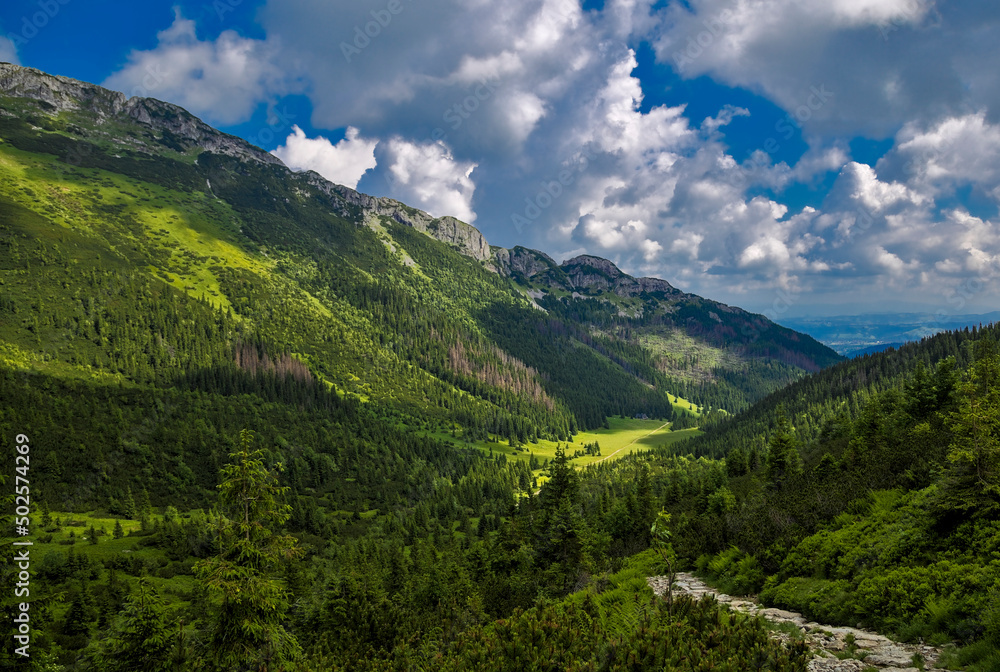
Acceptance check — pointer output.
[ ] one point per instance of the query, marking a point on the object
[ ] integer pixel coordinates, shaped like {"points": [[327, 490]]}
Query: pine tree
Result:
{"points": [[736, 462], [248, 633], [81, 613], [119, 532], [561, 529], [563, 481], [140, 639], [972, 482], [130, 509], [920, 394], [144, 507], [783, 458]]}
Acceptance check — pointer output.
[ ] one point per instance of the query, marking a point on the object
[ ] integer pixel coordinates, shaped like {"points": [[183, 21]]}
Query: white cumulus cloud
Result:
{"points": [[886, 62], [8, 52], [528, 117], [222, 80], [427, 176], [343, 163]]}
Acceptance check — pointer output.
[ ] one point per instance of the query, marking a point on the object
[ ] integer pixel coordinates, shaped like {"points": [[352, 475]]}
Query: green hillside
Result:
{"points": [[867, 493], [144, 201], [339, 433]]}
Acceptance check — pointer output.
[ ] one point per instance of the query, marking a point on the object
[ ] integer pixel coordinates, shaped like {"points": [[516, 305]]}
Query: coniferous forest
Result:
{"points": [[270, 423]]}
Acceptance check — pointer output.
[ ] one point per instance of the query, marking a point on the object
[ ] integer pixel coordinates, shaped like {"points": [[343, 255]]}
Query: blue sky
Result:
{"points": [[790, 157]]}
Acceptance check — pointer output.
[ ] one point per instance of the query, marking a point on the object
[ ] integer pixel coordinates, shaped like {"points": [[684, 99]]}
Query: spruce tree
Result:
{"points": [[248, 631], [972, 482], [130, 509], [140, 639], [782, 455]]}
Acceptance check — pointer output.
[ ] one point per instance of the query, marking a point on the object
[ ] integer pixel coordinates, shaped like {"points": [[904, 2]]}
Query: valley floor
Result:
{"points": [[633, 434]]}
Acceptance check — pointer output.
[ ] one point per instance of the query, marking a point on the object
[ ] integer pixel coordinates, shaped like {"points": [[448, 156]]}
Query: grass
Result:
{"points": [[625, 437], [980, 656], [181, 236], [91, 219], [787, 628], [73, 531], [686, 358], [71, 535]]}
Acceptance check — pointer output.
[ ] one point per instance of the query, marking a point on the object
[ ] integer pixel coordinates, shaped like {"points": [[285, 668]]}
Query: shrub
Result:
{"points": [[818, 599], [733, 571]]}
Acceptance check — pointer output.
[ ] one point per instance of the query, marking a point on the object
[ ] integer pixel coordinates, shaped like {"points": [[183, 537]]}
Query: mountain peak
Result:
{"points": [[182, 131], [603, 265], [593, 274], [177, 127]]}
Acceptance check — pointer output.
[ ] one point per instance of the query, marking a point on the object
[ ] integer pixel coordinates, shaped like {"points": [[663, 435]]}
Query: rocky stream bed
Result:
{"points": [[826, 641]]}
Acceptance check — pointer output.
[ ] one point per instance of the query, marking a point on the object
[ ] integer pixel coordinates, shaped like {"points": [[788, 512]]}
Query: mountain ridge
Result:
{"points": [[422, 410], [382, 273], [65, 94]]}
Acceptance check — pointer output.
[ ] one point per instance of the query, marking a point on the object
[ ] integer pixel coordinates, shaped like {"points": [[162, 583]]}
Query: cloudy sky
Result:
{"points": [[789, 156]]}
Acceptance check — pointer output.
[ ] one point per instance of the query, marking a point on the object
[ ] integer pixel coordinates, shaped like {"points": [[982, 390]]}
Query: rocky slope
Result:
{"points": [[862, 649], [184, 132], [58, 95], [584, 274]]}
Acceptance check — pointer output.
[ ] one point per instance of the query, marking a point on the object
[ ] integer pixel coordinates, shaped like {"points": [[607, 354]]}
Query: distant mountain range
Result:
{"points": [[854, 335]]}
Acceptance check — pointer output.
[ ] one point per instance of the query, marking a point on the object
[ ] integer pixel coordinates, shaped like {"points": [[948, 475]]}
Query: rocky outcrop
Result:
{"points": [[594, 274], [585, 274], [180, 129], [528, 264], [835, 649], [62, 94], [465, 237], [185, 126]]}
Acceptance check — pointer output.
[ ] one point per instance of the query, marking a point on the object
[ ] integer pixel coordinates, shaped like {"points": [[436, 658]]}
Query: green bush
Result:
{"points": [[733, 571], [690, 635], [818, 599]]}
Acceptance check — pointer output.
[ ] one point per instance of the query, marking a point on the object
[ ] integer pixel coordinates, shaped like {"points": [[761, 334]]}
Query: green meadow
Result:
{"points": [[624, 436]]}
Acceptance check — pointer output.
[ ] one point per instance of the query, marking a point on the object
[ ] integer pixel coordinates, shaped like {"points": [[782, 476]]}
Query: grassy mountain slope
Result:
{"points": [[99, 189]]}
